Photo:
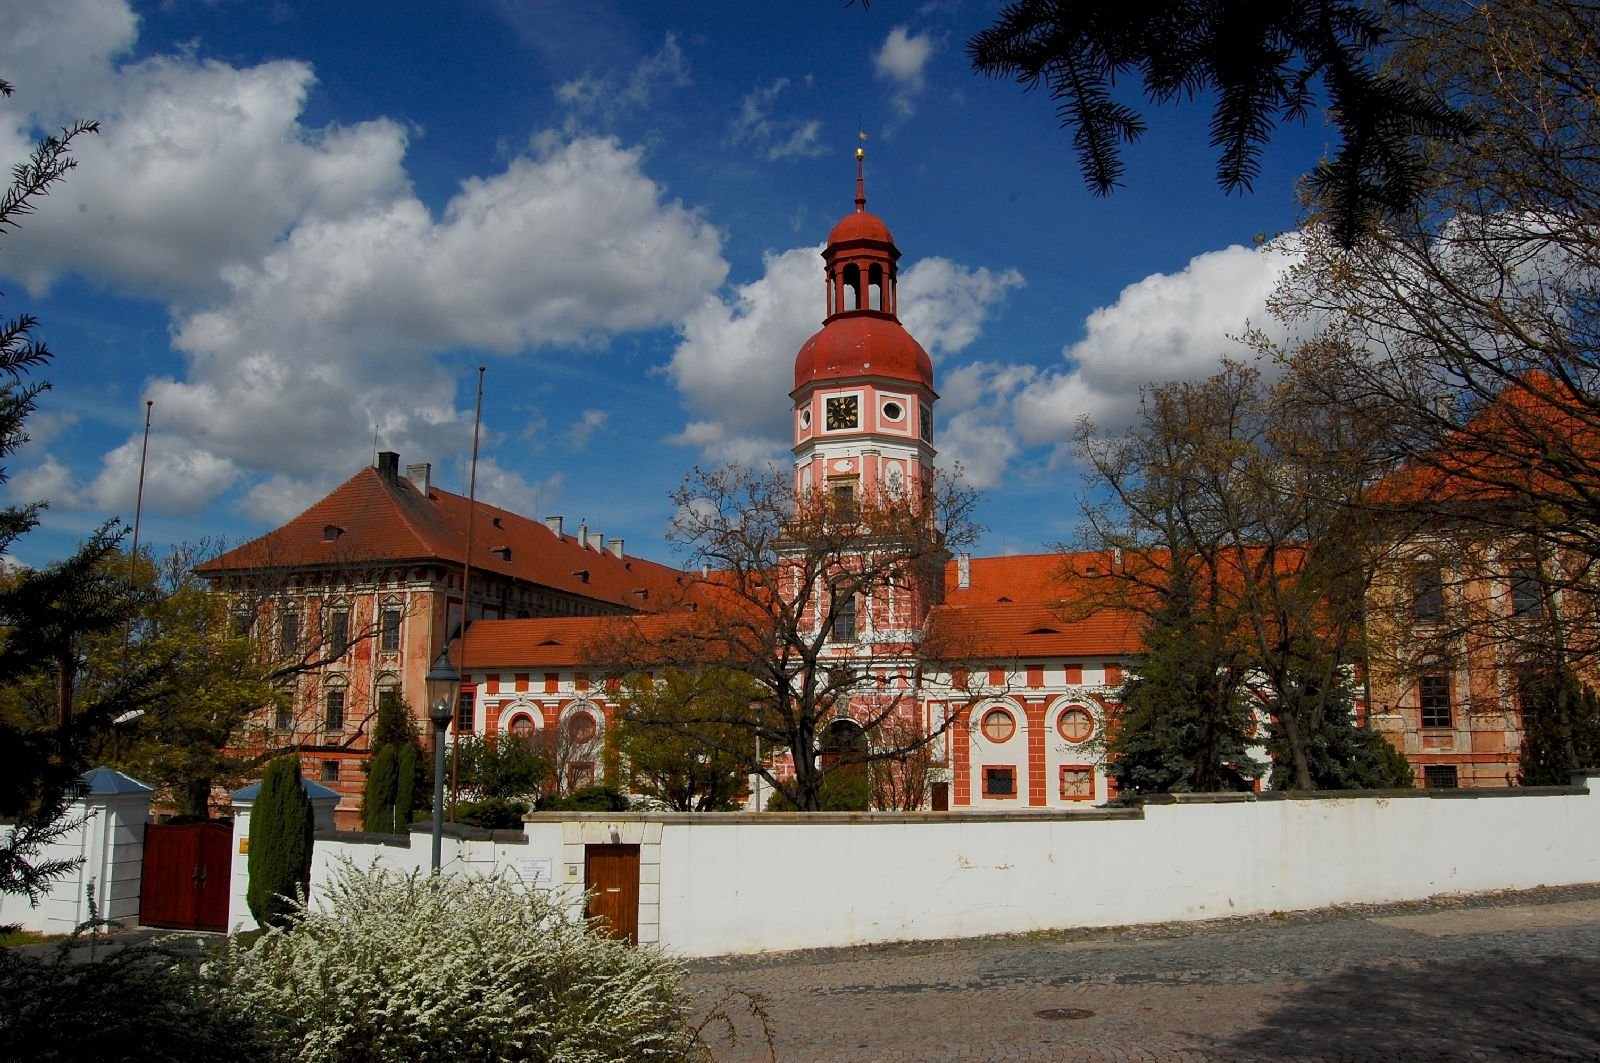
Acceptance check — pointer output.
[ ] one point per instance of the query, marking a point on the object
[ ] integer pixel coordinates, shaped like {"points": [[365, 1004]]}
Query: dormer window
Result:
{"points": [[330, 532], [503, 552]]}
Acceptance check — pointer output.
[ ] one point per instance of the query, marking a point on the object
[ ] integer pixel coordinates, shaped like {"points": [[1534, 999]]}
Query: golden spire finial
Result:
{"points": [[861, 181]]}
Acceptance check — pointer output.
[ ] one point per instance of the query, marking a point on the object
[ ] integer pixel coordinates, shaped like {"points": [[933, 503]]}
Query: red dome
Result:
{"points": [[860, 226], [863, 344]]}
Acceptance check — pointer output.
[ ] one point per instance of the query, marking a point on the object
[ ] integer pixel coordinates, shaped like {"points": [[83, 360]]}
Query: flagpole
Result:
{"points": [[466, 593]]}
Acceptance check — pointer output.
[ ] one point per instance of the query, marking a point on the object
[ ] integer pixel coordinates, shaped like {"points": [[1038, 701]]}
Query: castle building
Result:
{"points": [[1027, 714], [359, 594]]}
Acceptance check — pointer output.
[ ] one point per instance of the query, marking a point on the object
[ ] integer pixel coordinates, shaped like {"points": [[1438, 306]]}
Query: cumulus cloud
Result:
{"points": [[330, 336], [180, 478], [902, 61], [775, 138], [197, 168], [311, 290], [974, 429], [1164, 327], [944, 304], [49, 479]]}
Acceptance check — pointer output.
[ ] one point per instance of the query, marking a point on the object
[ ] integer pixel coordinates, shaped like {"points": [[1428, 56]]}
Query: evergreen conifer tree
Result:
{"points": [[378, 800], [1560, 728], [280, 843]]}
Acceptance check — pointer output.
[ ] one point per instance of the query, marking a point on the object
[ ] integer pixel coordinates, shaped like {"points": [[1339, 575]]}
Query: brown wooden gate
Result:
{"points": [[611, 875], [186, 874]]}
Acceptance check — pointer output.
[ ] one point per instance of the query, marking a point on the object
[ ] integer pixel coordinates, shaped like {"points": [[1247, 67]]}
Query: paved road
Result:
{"points": [[1496, 977]]}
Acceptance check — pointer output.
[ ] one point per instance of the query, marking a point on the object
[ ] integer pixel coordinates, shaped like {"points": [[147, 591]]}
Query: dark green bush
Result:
{"points": [[493, 813]]}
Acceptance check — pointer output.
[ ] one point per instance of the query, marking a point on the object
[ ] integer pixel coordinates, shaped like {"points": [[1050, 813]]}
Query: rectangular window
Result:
{"points": [[389, 641], [333, 717], [1433, 699], [283, 718], [330, 771], [242, 623], [1077, 783], [1527, 597], [465, 715], [580, 774], [289, 635], [1440, 777], [1427, 596], [1000, 782], [339, 633], [844, 617]]}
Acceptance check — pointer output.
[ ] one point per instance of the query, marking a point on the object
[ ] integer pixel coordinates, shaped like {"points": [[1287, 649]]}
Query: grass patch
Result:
{"points": [[14, 938]]}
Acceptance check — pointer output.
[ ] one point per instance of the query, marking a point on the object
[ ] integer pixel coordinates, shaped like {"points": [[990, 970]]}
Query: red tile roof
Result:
{"points": [[1524, 442], [371, 517], [1011, 631], [1022, 577]]}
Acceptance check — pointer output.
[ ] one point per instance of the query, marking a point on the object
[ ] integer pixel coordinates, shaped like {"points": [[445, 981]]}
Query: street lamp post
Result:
{"points": [[441, 679]]}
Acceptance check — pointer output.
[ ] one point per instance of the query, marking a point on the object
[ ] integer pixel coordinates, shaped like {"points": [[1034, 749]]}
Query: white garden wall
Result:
{"points": [[747, 883], [740, 882]]}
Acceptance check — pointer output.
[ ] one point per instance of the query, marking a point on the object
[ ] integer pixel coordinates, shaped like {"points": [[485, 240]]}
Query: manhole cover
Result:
{"points": [[1065, 1013]]}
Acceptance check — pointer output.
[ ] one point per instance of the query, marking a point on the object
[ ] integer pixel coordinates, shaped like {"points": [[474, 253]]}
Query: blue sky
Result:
{"points": [[306, 224]]}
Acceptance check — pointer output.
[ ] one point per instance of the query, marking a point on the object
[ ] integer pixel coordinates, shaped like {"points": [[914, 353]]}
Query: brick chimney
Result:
{"points": [[421, 474], [388, 465]]}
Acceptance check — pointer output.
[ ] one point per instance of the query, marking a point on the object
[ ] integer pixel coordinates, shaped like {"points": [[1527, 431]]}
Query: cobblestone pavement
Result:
{"points": [[1489, 977]]}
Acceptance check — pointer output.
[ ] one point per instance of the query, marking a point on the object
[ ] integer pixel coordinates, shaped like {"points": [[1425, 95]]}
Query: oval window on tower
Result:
{"points": [[805, 417], [893, 411]]}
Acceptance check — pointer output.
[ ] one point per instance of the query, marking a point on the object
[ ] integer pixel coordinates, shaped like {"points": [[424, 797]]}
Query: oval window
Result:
{"points": [[1075, 725], [998, 726], [893, 411], [805, 417]]}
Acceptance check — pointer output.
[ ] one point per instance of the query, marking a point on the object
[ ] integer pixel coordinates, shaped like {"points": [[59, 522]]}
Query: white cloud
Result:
{"points": [[974, 419], [745, 344], [902, 61], [330, 336], [180, 478], [47, 480], [607, 97], [775, 138], [581, 431], [58, 55], [944, 304], [1164, 327], [311, 290], [510, 490], [197, 169]]}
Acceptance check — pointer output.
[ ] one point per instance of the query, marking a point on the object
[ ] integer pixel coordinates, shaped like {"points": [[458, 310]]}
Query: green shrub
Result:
{"points": [[393, 967], [494, 813], [280, 842], [846, 789], [595, 798], [140, 1002]]}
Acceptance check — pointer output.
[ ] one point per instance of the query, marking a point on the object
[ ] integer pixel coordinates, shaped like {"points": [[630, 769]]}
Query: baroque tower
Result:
{"points": [[863, 387]]}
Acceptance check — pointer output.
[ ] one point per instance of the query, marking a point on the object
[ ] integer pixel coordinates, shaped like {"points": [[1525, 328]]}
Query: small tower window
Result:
{"points": [[852, 287], [875, 286]]}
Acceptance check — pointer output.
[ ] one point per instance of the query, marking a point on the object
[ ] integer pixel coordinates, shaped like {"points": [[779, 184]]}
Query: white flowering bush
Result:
{"points": [[397, 967]]}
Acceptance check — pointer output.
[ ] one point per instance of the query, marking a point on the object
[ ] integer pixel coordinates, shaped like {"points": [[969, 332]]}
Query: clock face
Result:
{"points": [[844, 411]]}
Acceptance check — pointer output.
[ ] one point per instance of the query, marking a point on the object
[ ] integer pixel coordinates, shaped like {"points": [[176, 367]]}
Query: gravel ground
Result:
{"points": [[1490, 976]]}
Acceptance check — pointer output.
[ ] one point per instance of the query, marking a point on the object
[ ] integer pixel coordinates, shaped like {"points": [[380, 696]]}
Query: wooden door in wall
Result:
{"points": [[611, 876], [184, 882]]}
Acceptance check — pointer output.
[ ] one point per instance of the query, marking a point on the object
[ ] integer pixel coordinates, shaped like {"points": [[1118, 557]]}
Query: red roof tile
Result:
{"points": [[371, 517]]}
